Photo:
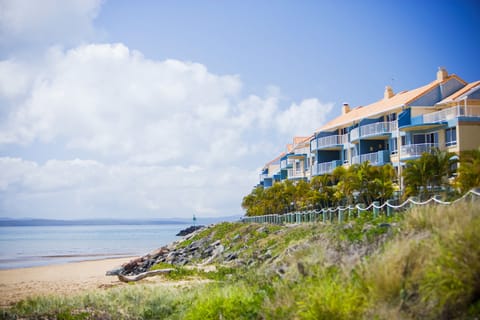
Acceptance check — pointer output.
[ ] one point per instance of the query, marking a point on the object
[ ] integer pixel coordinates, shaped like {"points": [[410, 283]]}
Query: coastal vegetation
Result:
{"points": [[432, 174], [423, 263]]}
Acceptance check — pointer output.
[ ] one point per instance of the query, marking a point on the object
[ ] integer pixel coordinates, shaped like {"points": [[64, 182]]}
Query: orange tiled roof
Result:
{"points": [[382, 106], [460, 92], [275, 160], [297, 140], [301, 142]]}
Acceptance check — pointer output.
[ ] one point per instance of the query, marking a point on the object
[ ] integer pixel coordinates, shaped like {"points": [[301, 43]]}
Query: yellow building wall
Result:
{"points": [[468, 135], [416, 111], [272, 169]]}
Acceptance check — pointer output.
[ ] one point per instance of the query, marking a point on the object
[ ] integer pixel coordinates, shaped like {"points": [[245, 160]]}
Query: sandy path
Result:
{"points": [[18, 284]]}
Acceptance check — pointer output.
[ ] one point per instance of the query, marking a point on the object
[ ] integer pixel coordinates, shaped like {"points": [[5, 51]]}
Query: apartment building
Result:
{"points": [[443, 114]]}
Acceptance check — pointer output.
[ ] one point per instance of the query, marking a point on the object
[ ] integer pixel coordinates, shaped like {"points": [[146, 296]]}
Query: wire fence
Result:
{"points": [[340, 213]]}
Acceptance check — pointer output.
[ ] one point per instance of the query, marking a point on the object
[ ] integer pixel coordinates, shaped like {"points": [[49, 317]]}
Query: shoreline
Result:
{"points": [[53, 260], [58, 279]]}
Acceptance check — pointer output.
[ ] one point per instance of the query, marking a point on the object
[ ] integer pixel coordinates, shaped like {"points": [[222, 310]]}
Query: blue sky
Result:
{"points": [[169, 108]]}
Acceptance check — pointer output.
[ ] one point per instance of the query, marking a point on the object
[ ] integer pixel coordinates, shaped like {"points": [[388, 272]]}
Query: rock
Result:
{"points": [[262, 229], [188, 231], [281, 271], [301, 269], [159, 252], [237, 237], [114, 272], [367, 227], [218, 250], [267, 255], [231, 256]]}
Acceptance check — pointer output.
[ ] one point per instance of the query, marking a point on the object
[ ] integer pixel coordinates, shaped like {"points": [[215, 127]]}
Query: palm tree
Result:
{"points": [[469, 170], [383, 183], [416, 176], [322, 191], [443, 168]]}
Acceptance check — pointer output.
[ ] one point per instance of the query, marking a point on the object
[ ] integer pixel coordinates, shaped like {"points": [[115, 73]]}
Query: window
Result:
{"points": [[429, 138], [391, 117], [394, 147], [451, 136], [297, 167]]}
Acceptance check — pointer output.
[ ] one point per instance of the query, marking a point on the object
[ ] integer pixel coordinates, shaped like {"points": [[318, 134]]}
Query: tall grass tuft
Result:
{"points": [[226, 302], [332, 296], [452, 279], [432, 270]]}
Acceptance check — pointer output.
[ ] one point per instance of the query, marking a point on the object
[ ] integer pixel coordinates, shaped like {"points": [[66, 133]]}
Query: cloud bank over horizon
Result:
{"points": [[99, 130]]}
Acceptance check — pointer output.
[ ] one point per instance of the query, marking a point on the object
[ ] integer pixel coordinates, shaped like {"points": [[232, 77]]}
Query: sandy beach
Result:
{"points": [[69, 278]]}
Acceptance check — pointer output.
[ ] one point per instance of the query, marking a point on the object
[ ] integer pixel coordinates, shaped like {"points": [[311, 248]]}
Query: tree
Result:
{"points": [[469, 170], [428, 174], [383, 182]]}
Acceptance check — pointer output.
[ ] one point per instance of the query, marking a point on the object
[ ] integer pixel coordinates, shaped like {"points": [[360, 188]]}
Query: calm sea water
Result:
{"points": [[43, 245]]}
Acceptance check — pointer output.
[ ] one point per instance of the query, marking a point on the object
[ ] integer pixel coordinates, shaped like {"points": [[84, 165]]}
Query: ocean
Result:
{"points": [[27, 246]]}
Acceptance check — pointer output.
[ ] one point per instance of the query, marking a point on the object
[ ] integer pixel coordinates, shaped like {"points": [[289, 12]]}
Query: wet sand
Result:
{"points": [[69, 278]]}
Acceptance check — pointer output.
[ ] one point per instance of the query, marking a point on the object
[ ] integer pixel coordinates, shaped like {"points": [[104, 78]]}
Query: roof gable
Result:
{"points": [[466, 91], [377, 108]]}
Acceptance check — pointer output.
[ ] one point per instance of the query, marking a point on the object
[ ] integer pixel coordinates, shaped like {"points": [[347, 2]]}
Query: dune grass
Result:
{"points": [[426, 266]]}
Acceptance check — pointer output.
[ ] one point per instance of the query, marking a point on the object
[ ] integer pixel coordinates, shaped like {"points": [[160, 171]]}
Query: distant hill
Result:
{"points": [[9, 222]]}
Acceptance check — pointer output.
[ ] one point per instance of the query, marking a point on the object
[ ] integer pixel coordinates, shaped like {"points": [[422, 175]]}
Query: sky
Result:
{"points": [[165, 109]]}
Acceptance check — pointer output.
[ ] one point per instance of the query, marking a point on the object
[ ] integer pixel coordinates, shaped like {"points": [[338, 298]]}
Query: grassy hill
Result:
{"points": [[420, 264]]}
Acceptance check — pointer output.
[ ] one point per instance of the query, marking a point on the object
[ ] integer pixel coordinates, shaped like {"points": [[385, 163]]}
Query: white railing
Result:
{"points": [[340, 213], [451, 113], [374, 129], [354, 134], [374, 158], [416, 150], [393, 125], [303, 150], [324, 167], [330, 141], [296, 173], [370, 157], [283, 164], [313, 144]]}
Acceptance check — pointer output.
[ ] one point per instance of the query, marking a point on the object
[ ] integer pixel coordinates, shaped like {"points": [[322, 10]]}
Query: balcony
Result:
{"points": [[286, 163], [325, 167], [263, 176], [354, 134], [375, 158], [332, 142], [373, 130], [296, 174], [416, 150], [451, 113]]}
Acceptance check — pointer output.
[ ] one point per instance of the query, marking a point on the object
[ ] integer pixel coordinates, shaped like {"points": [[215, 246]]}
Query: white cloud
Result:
{"points": [[157, 133], [86, 188], [303, 118], [47, 22]]}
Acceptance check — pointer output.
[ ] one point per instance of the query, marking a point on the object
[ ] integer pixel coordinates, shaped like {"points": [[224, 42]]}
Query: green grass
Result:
{"points": [[426, 265]]}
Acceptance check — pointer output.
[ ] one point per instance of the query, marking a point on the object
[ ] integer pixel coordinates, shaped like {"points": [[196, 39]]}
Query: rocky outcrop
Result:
{"points": [[202, 251], [189, 230], [239, 250]]}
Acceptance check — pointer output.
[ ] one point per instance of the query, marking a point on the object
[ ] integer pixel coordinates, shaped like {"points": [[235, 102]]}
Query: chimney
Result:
{"points": [[345, 108], [442, 74], [388, 92]]}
